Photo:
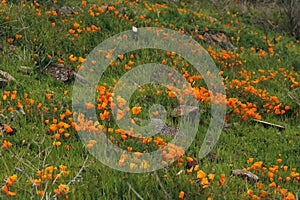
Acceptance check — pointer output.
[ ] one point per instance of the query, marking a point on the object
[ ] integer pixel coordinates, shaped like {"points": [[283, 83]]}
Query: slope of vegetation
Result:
{"points": [[42, 155]]}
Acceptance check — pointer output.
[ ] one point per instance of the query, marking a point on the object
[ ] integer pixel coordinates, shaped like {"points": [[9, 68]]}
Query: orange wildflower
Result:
{"points": [[62, 189], [48, 96], [53, 127], [200, 174], [81, 60], [189, 159], [76, 25], [68, 112], [8, 129], [104, 115], [10, 40], [6, 144], [121, 101], [222, 179], [120, 114], [72, 58], [250, 192], [273, 184], [89, 105], [181, 195], [136, 110], [57, 144], [171, 94], [71, 31], [7, 192]]}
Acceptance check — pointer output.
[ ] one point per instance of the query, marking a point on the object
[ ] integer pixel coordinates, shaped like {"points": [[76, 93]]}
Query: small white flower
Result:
{"points": [[134, 29]]}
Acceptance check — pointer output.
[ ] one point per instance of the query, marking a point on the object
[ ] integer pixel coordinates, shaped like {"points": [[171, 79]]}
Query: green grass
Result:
{"points": [[42, 44]]}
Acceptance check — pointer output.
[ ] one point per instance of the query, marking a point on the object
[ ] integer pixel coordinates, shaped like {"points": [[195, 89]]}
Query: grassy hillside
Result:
{"points": [[43, 156]]}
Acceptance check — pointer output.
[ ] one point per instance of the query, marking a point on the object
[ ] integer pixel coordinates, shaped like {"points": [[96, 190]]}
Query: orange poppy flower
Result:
{"points": [[6, 144], [10, 40], [273, 184], [136, 110], [68, 112], [121, 101], [104, 115], [200, 174], [89, 105], [76, 25], [120, 114], [189, 159], [222, 179], [81, 60], [53, 127], [62, 116], [57, 144], [8, 129], [171, 94], [181, 195]]}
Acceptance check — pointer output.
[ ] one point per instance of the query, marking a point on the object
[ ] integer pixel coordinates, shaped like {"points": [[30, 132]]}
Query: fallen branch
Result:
{"points": [[8, 76], [73, 180], [178, 173], [80, 171], [268, 124], [292, 96], [134, 191], [167, 195]]}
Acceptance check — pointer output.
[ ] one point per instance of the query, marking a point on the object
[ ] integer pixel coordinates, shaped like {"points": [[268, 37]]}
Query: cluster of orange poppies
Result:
{"points": [[51, 173], [10, 104], [274, 176], [43, 175], [226, 58], [9, 183], [60, 128], [205, 180]]}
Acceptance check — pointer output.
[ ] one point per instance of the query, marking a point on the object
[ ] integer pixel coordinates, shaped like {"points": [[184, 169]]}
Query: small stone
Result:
{"points": [[244, 174]]}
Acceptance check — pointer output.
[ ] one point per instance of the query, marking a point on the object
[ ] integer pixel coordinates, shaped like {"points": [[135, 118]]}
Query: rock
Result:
{"points": [[64, 10], [7, 76], [158, 126], [212, 156], [12, 48], [183, 110], [60, 72], [219, 39], [244, 174], [170, 131], [227, 127], [3, 83]]}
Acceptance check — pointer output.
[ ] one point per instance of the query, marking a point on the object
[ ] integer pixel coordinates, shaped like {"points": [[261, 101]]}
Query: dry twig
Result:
{"points": [[134, 191], [73, 180]]}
